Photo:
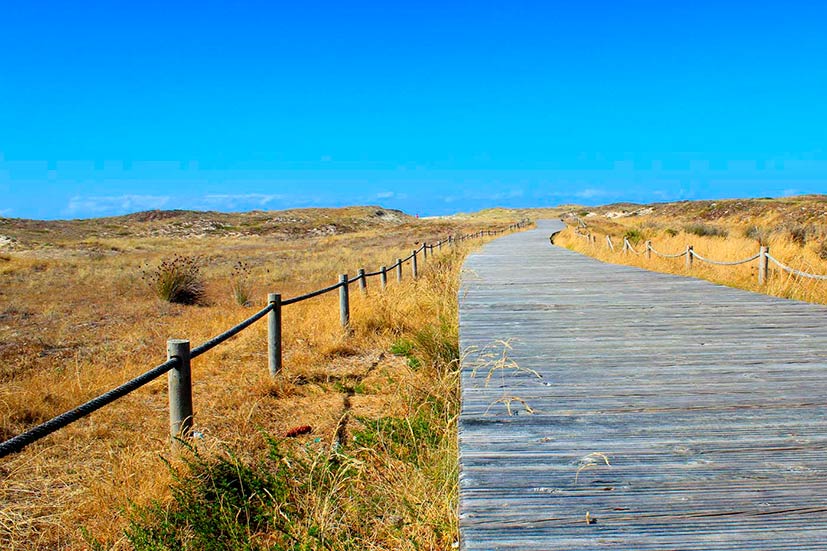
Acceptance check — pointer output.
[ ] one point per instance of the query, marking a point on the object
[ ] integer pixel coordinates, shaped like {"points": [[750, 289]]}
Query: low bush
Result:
{"points": [[798, 233], [762, 235], [705, 230], [634, 236], [177, 280]]}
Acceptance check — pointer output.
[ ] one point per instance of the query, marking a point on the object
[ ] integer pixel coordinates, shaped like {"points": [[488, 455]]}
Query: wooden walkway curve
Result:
{"points": [[648, 411]]}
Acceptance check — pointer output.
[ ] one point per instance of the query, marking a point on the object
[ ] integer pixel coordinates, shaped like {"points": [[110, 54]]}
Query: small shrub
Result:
{"points": [[759, 234], [402, 347], [177, 280], [798, 233], [634, 236], [216, 504], [240, 283], [822, 250], [671, 232], [705, 230]]}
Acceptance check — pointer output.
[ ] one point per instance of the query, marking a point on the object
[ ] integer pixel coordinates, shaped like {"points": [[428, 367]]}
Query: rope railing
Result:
{"points": [[795, 272], [763, 257], [17, 443], [725, 263], [628, 246], [664, 255], [179, 354]]}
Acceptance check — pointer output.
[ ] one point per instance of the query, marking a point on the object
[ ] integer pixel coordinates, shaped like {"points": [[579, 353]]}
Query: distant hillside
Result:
{"points": [[803, 210], [286, 224]]}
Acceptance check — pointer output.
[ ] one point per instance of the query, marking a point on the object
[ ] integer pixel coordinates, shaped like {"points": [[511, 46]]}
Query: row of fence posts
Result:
{"points": [[689, 253], [179, 378]]}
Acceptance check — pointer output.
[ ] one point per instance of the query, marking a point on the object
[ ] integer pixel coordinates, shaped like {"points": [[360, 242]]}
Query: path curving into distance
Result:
{"points": [[709, 405]]}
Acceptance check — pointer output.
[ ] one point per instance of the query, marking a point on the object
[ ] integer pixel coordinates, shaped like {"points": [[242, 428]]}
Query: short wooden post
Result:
{"points": [[414, 270], [609, 243], [625, 246], [689, 252], [439, 245], [399, 270], [424, 252], [648, 250], [179, 382], [383, 277], [274, 334], [763, 265], [363, 281], [344, 301]]}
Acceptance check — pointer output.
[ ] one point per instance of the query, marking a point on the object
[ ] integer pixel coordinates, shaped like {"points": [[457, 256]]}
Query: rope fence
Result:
{"points": [[179, 355], [763, 257]]}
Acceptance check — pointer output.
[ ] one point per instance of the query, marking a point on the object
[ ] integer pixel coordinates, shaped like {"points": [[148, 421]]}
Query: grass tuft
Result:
{"points": [[177, 280]]}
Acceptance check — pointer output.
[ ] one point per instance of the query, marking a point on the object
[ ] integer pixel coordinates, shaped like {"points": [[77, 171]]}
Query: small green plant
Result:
{"points": [[240, 283], [822, 250], [220, 503], [177, 280], [405, 348], [671, 232], [634, 236], [705, 230], [402, 347]]}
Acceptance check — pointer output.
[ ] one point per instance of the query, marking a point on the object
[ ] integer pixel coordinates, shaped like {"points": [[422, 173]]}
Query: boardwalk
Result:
{"points": [[707, 403]]}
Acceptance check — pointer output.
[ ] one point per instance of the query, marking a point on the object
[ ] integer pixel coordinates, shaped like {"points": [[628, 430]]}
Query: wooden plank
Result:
{"points": [[708, 404]]}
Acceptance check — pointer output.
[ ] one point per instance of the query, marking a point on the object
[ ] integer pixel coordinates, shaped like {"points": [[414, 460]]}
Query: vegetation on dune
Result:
{"points": [[794, 229], [353, 446], [177, 280]]}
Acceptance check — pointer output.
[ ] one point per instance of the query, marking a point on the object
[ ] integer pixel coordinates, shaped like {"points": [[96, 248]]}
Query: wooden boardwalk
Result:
{"points": [[709, 405]]}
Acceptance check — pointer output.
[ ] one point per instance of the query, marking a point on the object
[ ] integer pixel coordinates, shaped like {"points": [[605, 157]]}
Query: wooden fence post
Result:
{"points": [[609, 243], [424, 252], [274, 334], [383, 277], [179, 383], [363, 281], [439, 245], [763, 265], [648, 250], [344, 301], [414, 270], [399, 270], [689, 251]]}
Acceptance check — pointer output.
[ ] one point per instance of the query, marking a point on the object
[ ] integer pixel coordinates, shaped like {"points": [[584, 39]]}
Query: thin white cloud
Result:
{"points": [[385, 195], [5, 212], [236, 200], [590, 193], [96, 205]]}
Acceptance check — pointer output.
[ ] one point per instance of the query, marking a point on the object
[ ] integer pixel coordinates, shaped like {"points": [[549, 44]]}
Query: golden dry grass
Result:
{"points": [[796, 244], [76, 323]]}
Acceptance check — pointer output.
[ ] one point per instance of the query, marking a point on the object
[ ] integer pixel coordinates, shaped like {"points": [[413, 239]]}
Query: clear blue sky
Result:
{"points": [[432, 107]]}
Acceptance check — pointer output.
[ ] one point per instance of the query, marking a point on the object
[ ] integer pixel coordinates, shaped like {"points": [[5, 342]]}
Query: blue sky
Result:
{"points": [[431, 107]]}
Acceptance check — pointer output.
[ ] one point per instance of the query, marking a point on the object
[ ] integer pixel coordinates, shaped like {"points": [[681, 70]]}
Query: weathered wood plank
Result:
{"points": [[708, 404]]}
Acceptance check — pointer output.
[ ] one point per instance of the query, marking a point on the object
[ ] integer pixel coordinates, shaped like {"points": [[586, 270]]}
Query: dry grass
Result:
{"points": [[77, 321], [731, 235]]}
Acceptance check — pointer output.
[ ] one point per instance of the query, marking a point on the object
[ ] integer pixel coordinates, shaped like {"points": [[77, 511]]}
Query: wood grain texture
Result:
{"points": [[707, 402]]}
